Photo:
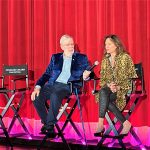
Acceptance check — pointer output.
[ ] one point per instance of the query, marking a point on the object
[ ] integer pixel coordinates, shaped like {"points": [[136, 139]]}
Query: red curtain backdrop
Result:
{"points": [[30, 31]]}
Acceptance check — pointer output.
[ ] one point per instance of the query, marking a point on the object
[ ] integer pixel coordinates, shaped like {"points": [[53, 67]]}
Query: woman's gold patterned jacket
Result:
{"points": [[120, 74]]}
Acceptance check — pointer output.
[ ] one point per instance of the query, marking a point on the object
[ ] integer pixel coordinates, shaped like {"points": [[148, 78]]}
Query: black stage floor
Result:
{"points": [[24, 143]]}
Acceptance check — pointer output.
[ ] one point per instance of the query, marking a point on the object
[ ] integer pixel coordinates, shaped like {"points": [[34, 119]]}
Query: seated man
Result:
{"points": [[52, 85]]}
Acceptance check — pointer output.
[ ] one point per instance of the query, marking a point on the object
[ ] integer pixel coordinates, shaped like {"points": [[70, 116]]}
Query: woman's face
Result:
{"points": [[110, 47]]}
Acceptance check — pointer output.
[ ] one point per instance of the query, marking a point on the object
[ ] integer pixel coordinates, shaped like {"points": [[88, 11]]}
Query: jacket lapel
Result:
{"points": [[73, 61], [61, 62]]}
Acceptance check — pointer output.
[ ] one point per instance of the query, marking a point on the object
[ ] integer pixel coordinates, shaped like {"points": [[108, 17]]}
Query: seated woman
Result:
{"points": [[116, 70]]}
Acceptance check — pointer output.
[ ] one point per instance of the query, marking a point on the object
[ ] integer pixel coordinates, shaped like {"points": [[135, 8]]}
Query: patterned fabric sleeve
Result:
{"points": [[103, 79], [127, 71]]}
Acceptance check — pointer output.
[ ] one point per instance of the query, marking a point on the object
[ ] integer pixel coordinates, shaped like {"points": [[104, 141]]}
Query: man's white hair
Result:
{"points": [[64, 37]]}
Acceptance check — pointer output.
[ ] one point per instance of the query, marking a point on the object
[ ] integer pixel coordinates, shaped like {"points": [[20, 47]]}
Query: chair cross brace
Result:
{"points": [[117, 131], [16, 115], [68, 119]]}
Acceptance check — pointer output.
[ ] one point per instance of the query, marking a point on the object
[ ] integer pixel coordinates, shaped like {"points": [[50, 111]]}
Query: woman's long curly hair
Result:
{"points": [[116, 40]]}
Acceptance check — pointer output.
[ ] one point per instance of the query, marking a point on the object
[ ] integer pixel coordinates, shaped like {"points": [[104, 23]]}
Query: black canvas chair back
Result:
{"points": [[15, 70], [138, 92], [18, 73], [139, 82], [15, 74]]}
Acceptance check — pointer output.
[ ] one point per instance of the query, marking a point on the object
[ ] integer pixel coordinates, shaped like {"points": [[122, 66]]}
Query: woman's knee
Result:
{"points": [[104, 91]]}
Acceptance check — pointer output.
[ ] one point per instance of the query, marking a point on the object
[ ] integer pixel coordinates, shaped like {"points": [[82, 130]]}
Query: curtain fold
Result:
{"points": [[30, 31]]}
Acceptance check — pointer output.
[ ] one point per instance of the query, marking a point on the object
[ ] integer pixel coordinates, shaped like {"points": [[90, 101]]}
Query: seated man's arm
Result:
{"points": [[42, 80]]}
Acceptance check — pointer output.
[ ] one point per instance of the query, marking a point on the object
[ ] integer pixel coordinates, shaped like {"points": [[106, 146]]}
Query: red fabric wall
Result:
{"points": [[30, 32]]}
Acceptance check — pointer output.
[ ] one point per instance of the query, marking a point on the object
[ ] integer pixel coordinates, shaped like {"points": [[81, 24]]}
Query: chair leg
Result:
{"points": [[72, 123], [121, 143], [9, 101], [100, 143], [5, 132], [135, 136], [117, 131], [106, 135], [62, 137], [17, 116], [70, 120], [59, 134], [112, 126], [69, 116], [81, 116], [43, 141], [76, 129]]}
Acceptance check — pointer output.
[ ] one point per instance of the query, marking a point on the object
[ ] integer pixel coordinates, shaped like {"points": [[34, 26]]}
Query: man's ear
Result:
{"points": [[62, 47]]}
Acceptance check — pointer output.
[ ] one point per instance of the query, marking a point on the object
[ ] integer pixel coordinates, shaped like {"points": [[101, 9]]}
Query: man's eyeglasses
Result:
{"points": [[71, 44]]}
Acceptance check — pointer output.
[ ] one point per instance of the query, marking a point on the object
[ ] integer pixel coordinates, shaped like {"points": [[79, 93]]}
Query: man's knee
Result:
{"points": [[38, 100], [55, 99]]}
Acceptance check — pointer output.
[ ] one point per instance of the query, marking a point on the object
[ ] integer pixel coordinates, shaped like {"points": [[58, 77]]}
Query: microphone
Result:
{"points": [[94, 65]]}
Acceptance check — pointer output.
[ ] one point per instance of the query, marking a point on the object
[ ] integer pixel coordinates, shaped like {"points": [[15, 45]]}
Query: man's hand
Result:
{"points": [[35, 93], [86, 74]]}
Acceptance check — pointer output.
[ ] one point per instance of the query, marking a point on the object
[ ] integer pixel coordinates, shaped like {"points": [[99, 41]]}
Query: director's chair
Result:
{"points": [[75, 91], [18, 75], [136, 95]]}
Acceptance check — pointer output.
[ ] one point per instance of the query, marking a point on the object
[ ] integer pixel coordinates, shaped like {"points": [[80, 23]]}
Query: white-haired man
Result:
{"points": [[53, 84]]}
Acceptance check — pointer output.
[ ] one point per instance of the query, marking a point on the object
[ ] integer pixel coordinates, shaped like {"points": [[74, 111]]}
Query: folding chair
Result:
{"points": [[76, 91], [137, 94], [15, 73], [1, 119]]}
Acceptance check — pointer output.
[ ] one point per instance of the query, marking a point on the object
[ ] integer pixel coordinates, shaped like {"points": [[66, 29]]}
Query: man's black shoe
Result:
{"points": [[43, 129], [51, 132]]}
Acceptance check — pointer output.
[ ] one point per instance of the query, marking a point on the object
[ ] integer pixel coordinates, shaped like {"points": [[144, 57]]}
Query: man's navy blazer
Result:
{"points": [[78, 65]]}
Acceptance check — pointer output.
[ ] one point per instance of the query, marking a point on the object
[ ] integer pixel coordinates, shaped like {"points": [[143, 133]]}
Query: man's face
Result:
{"points": [[68, 45]]}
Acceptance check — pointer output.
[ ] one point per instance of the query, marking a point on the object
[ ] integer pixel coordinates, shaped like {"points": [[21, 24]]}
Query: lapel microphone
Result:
{"points": [[94, 65]]}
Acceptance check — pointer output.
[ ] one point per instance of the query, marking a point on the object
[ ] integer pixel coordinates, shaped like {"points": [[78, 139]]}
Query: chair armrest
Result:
{"points": [[71, 83], [14, 81], [94, 91], [95, 79], [134, 88], [2, 78], [19, 78]]}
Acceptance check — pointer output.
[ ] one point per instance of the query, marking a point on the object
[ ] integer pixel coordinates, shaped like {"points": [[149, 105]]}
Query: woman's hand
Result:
{"points": [[113, 87]]}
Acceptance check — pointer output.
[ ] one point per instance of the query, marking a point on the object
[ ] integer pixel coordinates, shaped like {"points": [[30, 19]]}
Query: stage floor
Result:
{"points": [[24, 142], [73, 139]]}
